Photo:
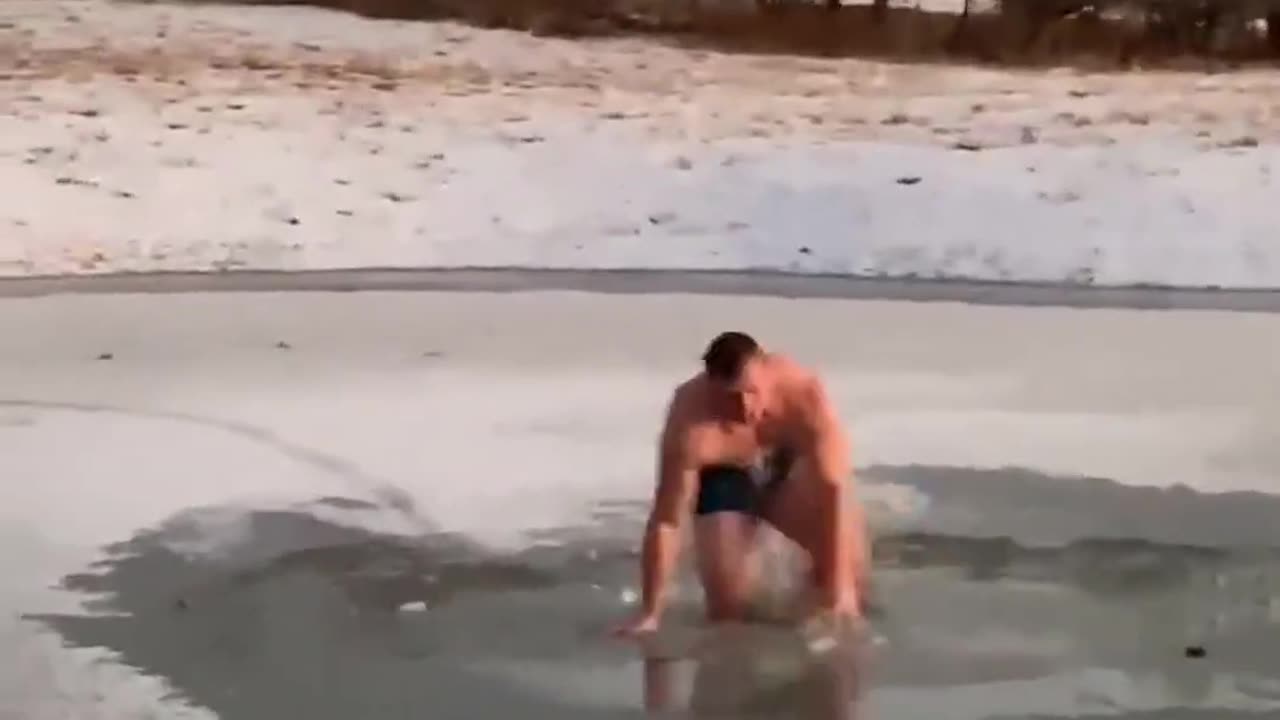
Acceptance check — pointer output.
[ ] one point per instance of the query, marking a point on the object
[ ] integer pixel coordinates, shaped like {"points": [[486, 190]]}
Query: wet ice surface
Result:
{"points": [[305, 616], [194, 468]]}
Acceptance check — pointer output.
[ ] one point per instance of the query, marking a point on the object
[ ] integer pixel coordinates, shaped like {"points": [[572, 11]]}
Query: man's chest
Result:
{"points": [[738, 443]]}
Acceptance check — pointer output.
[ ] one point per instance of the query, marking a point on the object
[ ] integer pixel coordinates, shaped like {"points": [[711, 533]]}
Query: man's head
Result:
{"points": [[733, 367]]}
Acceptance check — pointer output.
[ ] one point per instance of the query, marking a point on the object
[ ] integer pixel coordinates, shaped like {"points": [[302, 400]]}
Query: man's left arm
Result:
{"points": [[832, 464]]}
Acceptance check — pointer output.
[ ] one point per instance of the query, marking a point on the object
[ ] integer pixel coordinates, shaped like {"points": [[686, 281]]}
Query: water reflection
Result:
{"points": [[752, 672]]}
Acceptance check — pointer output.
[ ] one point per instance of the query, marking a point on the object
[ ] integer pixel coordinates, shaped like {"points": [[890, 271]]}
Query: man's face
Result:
{"points": [[747, 397]]}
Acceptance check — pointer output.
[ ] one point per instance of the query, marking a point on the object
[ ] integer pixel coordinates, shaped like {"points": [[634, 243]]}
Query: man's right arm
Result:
{"points": [[676, 483]]}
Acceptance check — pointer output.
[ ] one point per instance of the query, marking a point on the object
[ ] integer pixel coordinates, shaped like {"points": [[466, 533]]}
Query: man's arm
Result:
{"points": [[676, 483], [832, 464]]}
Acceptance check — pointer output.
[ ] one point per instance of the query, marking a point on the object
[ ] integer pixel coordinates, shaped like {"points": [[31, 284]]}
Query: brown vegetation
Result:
{"points": [[1105, 32]]}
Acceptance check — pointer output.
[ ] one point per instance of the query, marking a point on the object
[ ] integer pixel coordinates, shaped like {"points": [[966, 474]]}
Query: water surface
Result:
{"points": [[1005, 594]]}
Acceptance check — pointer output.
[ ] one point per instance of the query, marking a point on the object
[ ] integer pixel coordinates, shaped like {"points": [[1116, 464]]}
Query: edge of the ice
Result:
{"points": [[773, 283]]}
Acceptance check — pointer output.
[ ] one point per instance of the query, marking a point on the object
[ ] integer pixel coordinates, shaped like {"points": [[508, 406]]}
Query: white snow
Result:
{"points": [[152, 137]]}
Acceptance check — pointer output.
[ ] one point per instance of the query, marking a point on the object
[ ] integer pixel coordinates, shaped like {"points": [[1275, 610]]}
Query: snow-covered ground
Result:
{"points": [[157, 137]]}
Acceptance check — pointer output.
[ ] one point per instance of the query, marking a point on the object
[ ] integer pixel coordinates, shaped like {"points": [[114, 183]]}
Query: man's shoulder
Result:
{"points": [[800, 378], [689, 391], [807, 389], [685, 400], [678, 433]]}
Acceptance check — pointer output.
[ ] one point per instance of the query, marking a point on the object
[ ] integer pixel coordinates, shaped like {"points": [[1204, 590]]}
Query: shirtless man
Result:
{"points": [[752, 437]]}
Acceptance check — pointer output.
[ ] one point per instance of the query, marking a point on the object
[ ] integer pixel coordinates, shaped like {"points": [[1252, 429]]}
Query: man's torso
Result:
{"points": [[712, 438]]}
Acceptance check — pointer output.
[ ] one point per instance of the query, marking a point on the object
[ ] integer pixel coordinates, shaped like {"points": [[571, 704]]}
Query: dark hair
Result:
{"points": [[727, 354]]}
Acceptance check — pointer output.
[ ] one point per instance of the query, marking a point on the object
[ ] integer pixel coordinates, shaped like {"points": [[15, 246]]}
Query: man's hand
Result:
{"points": [[639, 625]]}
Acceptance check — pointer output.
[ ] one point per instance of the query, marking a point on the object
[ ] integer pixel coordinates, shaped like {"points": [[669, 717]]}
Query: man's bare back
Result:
{"points": [[752, 438]]}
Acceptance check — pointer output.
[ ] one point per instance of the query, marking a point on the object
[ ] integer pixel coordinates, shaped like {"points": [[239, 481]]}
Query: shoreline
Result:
{"points": [[766, 283]]}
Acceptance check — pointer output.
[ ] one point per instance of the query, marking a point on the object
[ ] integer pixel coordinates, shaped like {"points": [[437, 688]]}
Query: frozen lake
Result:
{"points": [[220, 505]]}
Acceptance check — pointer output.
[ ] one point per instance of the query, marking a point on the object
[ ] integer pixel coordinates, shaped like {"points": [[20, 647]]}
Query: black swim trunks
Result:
{"points": [[742, 489]]}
